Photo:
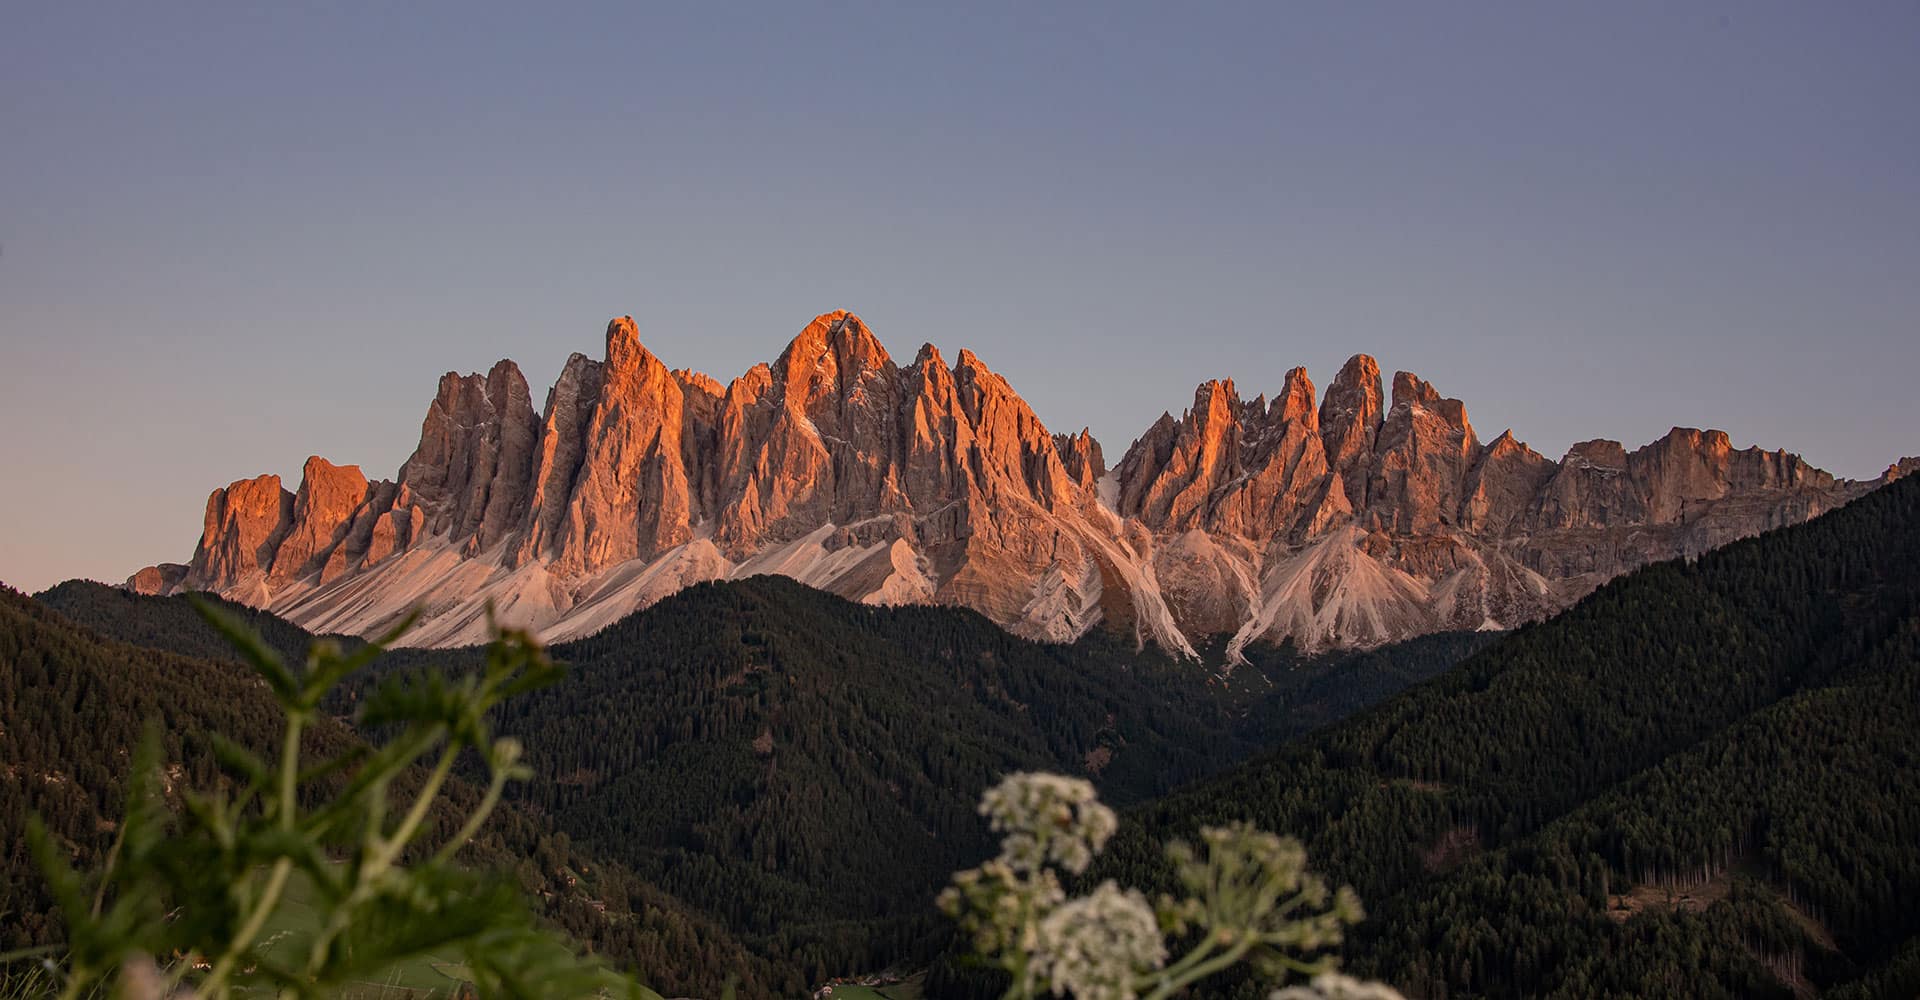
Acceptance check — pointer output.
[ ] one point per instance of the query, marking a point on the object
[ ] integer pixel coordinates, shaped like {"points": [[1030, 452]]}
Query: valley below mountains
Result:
{"points": [[1369, 516]]}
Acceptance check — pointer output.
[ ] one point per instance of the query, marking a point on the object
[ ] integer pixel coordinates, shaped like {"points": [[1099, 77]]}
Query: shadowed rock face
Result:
{"points": [[473, 471], [1366, 519]]}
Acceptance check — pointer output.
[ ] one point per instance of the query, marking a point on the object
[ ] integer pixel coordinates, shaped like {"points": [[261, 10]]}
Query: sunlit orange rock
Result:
{"points": [[245, 523], [1349, 422], [323, 511], [1361, 520]]}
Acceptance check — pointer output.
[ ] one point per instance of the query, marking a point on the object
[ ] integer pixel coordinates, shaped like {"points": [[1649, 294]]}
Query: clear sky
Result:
{"points": [[234, 236]]}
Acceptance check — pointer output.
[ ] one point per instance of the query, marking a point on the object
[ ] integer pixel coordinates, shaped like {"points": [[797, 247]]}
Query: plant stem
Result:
{"points": [[382, 854], [1224, 960], [215, 983], [1189, 960], [76, 982], [472, 825], [422, 804]]}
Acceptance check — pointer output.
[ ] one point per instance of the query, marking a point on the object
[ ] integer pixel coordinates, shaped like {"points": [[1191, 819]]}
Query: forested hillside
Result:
{"points": [[1701, 781], [805, 768], [172, 624], [73, 705]]}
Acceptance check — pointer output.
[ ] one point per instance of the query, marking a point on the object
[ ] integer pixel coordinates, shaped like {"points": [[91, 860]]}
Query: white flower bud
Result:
{"points": [[1095, 947]]}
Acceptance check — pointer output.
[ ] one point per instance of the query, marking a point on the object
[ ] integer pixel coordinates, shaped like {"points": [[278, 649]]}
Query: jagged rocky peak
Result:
{"points": [[1170, 475], [243, 527], [1412, 391], [1688, 450], [472, 472], [629, 499], [1423, 452], [1361, 518], [1500, 488], [1080, 455], [1294, 405], [835, 354], [323, 511], [1349, 421], [561, 449], [1901, 469], [624, 349], [699, 382], [257, 537], [1506, 444], [1013, 456], [1240, 468], [1596, 454]]}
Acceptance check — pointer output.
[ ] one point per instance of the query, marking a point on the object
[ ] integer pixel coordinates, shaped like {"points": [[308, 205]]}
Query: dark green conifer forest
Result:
{"points": [[1703, 780], [73, 705], [803, 769]]}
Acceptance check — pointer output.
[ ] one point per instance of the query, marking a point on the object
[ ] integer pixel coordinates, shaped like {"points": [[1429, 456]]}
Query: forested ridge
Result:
{"points": [[73, 705], [172, 624], [1700, 781], [805, 768]]}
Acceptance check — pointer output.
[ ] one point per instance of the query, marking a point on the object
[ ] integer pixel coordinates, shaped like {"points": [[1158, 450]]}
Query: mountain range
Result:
{"points": [[1373, 515]]}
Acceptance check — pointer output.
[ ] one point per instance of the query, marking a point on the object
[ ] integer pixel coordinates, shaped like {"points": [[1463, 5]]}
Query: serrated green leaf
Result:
{"points": [[253, 650]]}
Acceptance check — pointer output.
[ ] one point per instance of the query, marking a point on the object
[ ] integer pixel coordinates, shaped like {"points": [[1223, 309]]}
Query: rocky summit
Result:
{"points": [[1374, 516]]}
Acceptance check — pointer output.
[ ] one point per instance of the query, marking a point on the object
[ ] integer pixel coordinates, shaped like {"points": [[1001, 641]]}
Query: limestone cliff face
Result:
{"points": [[323, 511], [561, 449], [1080, 455], [1402, 522], [1350, 423], [244, 526], [1422, 454], [472, 474], [630, 499], [1363, 519]]}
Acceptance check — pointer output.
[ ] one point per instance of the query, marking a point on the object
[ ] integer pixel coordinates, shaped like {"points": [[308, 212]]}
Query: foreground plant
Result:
{"points": [[199, 890], [1247, 897]]}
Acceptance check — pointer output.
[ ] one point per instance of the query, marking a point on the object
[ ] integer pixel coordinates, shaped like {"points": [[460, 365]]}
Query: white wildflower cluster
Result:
{"points": [[1097, 946], [1334, 986], [1001, 908], [1248, 898], [1047, 819], [1256, 887]]}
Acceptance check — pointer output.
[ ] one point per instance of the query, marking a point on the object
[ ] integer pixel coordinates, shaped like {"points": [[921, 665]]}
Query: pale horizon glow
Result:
{"points": [[235, 236]]}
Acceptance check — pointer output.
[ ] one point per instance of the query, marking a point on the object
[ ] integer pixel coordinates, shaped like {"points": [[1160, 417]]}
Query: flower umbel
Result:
{"points": [[1253, 888], [1047, 819], [1248, 893], [1095, 947]]}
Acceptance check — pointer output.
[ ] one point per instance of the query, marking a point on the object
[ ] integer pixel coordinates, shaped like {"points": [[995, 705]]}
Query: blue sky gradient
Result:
{"points": [[232, 236]]}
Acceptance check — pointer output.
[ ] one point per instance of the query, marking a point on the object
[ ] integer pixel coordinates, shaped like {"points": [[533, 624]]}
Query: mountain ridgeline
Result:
{"points": [[1369, 517]]}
